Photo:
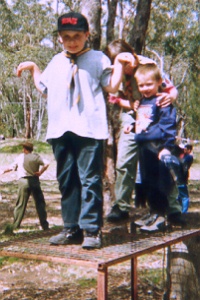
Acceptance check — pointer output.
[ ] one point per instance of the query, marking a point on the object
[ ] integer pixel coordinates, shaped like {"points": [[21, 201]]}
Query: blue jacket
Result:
{"points": [[160, 131]]}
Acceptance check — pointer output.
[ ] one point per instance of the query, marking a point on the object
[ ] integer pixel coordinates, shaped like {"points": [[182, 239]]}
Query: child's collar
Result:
{"points": [[73, 56]]}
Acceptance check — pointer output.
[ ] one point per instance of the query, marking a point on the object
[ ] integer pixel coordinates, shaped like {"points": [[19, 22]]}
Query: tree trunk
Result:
{"points": [[28, 121], [112, 6], [111, 156], [40, 118], [139, 29], [92, 10], [183, 269]]}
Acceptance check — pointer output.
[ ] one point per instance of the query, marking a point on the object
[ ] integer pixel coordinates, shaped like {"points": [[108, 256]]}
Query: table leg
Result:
{"points": [[102, 284], [134, 278]]}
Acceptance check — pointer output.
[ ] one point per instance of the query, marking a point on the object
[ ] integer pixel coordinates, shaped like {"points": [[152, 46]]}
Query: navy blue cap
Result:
{"points": [[73, 21]]}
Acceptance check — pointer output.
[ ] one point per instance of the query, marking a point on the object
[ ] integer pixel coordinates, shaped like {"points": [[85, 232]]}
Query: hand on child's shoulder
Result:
{"points": [[164, 99]]}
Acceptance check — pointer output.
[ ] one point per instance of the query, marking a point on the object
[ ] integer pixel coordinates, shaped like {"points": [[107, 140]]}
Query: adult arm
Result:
{"points": [[124, 103], [169, 94], [121, 60]]}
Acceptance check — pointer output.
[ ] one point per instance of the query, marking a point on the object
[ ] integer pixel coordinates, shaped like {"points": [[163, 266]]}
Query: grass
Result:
{"points": [[152, 275], [15, 146], [8, 260], [87, 282]]}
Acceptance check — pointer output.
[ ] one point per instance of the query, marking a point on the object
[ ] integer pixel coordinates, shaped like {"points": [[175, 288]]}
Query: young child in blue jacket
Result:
{"points": [[155, 129]]}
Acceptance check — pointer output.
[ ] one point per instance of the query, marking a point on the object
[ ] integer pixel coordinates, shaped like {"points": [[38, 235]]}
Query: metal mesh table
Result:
{"points": [[116, 248]]}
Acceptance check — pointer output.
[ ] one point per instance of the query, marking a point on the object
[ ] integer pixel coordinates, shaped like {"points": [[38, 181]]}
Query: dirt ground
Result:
{"points": [[27, 279]]}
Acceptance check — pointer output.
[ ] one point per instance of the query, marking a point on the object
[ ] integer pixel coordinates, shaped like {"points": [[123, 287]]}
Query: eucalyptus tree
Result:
{"points": [[110, 24], [128, 19], [6, 93], [140, 25], [26, 35], [92, 11], [173, 33]]}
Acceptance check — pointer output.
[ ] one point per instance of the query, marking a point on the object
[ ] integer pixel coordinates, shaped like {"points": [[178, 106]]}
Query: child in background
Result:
{"points": [[186, 159], [28, 166]]}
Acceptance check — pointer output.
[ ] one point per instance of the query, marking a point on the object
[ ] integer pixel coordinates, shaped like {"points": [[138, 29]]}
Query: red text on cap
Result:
{"points": [[72, 21]]}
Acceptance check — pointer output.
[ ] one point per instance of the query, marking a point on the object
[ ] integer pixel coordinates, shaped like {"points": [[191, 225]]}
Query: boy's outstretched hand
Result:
{"points": [[24, 66], [34, 70]]}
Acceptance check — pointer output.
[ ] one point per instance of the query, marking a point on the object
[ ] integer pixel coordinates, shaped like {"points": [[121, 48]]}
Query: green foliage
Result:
{"points": [[87, 282], [8, 260], [11, 149], [39, 147], [191, 108], [42, 147], [174, 34], [152, 275], [8, 230], [26, 33]]}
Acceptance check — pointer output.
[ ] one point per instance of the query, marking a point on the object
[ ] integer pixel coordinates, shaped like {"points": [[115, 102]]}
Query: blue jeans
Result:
{"points": [[79, 174], [183, 197]]}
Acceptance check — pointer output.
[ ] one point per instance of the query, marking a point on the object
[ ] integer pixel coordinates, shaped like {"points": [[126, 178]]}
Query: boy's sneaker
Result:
{"points": [[117, 214], [146, 220], [159, 224], [67, 236], [92, 240]]}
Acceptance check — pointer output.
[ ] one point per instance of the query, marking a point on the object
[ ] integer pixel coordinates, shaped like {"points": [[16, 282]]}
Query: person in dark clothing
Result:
{"points": [[155, 134], [186, 159]]}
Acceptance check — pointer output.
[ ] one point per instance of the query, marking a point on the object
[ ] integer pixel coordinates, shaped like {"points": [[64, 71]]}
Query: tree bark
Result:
{"points": [[28, 121], [111, 156], [112, 7], [140, 25], [92, 11], [183, 268]]}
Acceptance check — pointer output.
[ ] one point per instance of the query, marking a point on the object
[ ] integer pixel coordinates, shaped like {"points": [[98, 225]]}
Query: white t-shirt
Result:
{"points": [[88, 117]]}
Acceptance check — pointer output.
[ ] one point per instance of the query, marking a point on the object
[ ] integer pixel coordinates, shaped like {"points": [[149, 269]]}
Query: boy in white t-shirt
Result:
{"points": [[74, 81]]}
